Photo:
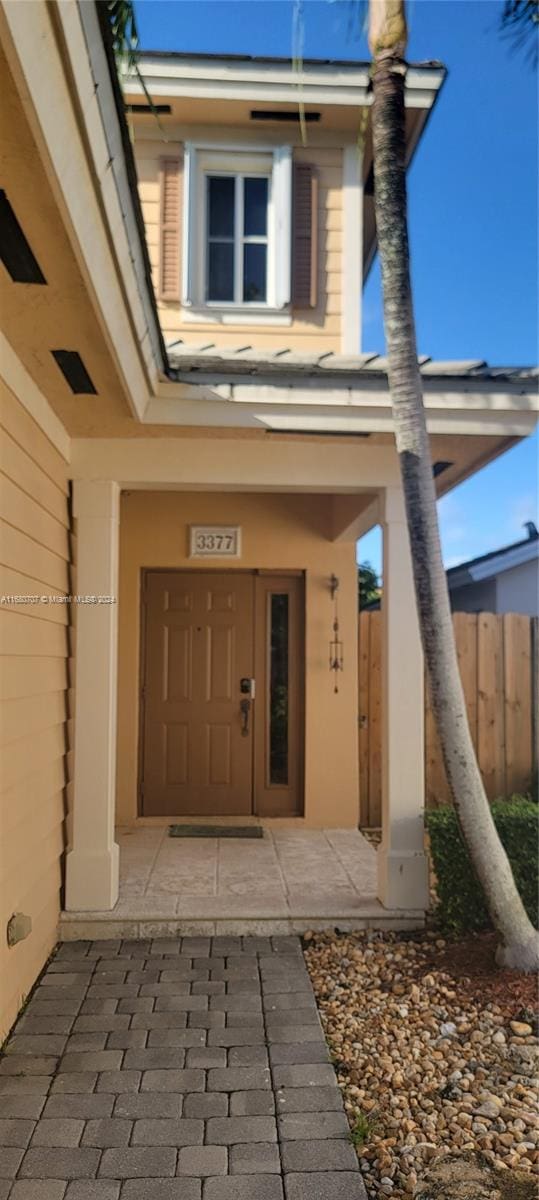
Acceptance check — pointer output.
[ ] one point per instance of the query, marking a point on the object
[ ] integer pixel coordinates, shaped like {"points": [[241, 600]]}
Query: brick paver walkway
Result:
{"points": [[181, 1069]]}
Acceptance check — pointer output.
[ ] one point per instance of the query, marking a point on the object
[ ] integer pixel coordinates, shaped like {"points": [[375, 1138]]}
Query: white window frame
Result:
{"points": [[236, 168], [273, 162]]}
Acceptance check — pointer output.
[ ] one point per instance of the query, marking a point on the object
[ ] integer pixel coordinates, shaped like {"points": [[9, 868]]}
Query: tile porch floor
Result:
{"points": [[288, 881]]}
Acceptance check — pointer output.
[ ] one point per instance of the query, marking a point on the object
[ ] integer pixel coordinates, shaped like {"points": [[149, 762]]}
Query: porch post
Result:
{"points": [[402, 863], [92, 863]]}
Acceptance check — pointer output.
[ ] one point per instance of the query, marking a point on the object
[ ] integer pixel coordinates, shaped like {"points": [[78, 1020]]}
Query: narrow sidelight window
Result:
{"points": [[278, 684]]}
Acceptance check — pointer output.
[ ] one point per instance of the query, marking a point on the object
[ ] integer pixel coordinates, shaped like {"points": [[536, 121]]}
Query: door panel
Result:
{"points": [[198, 644], [178, 656], [220, 661]]}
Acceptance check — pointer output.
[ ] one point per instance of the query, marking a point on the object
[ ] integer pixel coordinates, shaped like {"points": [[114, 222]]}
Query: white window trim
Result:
{"points": [[276, 162], [236, 166]]}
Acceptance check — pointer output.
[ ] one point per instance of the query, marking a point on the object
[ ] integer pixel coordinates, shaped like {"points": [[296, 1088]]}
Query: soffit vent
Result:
{"points": [[15, 251], [340, 433], [278, 114], [163, 110], [440, 466], [74, 372]]}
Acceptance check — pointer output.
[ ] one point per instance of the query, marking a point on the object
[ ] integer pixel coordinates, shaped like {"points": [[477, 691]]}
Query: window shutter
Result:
{"points": [[171, 172], [304, 236]]}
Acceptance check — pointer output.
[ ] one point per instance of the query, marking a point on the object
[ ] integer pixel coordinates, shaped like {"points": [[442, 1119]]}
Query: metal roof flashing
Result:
{"points": [[246, 360]]}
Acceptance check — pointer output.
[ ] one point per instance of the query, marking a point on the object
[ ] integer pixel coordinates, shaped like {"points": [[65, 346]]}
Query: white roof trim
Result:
{"points": [[506, 560], [319, 83]]}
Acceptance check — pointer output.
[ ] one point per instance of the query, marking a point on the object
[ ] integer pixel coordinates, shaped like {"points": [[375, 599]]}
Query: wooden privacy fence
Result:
{"points": [[499, 667]]}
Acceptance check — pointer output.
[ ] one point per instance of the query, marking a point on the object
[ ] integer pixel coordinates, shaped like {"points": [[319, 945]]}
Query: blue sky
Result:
{"points": [[472, 198]]}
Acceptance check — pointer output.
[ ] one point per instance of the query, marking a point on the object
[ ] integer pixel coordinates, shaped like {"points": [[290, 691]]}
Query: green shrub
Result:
{"points": [[461, 907]]}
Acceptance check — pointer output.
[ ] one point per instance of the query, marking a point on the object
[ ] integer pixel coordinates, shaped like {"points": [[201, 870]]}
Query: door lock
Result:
{"points": [[245, 709], [247, 687]]}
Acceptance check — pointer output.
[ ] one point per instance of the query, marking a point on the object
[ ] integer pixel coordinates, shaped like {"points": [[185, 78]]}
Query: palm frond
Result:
{"points": [[125, 40], [520, 23], [124, 32]]}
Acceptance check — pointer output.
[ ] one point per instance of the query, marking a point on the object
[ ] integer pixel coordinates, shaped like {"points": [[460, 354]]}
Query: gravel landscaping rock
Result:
{"points": [[471, 1177], [430, 1066]]}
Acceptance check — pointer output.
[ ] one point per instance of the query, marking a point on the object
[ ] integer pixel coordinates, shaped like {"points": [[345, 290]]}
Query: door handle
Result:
{"points": [[245, 709]]}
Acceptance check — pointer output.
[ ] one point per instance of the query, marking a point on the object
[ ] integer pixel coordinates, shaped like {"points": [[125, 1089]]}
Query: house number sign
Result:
{"points": [[214, 541]]}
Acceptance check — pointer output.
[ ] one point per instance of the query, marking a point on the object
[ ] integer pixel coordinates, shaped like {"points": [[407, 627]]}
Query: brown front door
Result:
{"points": [[197, 743]]}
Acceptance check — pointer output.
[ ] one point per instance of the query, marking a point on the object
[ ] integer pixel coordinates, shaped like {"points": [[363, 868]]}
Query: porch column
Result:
{"points": [[92, 863], [402, 863]]}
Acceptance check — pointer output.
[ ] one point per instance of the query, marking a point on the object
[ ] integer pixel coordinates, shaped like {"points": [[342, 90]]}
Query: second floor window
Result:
{"points": [[237, 219], [237, 227]]}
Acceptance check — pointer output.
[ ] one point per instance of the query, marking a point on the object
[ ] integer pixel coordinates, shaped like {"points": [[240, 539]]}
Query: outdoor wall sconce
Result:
{"points": [[336, 661]]}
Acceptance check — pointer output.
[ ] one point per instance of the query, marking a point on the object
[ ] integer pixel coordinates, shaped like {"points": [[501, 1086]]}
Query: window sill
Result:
{"points": [[235, 315]]}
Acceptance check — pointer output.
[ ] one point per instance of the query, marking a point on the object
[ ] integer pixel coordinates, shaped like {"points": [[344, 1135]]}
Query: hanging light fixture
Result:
{"points": [[336, 660]]}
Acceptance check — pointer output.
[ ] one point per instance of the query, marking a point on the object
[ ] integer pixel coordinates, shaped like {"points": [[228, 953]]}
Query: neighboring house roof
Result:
{"points": [[485, 566]]}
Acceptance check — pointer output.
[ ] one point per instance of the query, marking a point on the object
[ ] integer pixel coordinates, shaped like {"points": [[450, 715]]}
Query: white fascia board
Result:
{"points": [[318, 407], [506, 560], [202, 405], [356, 391], [280, 83], [73, 177], [465, 412], [381, 421], [201, 410]]}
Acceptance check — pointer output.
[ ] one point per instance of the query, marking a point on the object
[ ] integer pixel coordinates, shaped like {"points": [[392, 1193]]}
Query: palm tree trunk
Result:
{"points": [[519, 941]]}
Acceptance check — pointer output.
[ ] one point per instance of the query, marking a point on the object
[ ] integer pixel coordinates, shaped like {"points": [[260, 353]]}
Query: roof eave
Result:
{"points": [[326, 82], [131, 193]]}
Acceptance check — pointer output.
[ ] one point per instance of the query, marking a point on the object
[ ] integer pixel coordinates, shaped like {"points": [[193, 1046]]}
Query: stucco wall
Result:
{"points": [[475, 597], [518, 589], [34, 555], [515, 590], [312, 329], [279, 532]]}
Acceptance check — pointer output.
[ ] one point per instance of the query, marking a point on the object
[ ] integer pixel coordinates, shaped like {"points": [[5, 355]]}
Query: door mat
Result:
{"points": [[216, 831]]}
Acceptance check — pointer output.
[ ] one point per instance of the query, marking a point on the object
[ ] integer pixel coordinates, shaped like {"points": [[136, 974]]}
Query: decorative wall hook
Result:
{"points": [[333, 585]]}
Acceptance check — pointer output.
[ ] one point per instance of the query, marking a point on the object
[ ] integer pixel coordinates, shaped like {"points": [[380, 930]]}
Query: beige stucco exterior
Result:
{"points": [[308, 330], [279, 532], [107, 483]]}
